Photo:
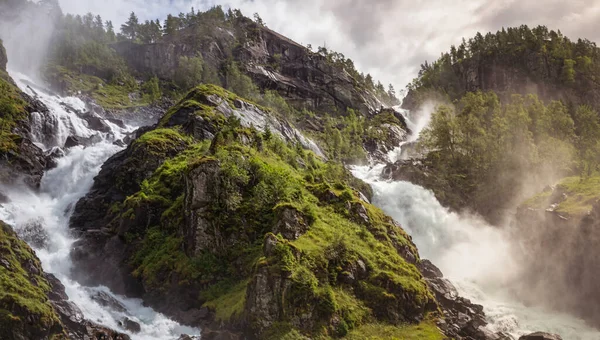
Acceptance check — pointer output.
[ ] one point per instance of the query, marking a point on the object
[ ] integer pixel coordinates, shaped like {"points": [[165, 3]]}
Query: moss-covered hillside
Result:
{"points": [[25, 310], [573, 196], [267, 237]]}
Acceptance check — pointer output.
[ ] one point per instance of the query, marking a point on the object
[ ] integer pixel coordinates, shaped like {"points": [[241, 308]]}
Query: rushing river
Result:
{"points": [[478, 258]]}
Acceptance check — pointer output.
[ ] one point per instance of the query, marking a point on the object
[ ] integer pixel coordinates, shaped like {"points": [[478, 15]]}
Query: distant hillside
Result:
{"points": [[514, 60], [520, 111]]}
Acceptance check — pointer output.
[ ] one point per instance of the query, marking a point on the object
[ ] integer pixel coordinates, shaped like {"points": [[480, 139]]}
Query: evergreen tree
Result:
{"points": [[131, 27]]}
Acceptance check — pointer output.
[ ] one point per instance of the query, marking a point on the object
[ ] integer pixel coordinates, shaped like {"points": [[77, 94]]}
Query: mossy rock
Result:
{"points": [[25, 310]]}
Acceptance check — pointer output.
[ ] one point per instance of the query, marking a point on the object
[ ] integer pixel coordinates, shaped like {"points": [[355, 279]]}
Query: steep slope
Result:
{"points": [[33, 304], [19, 157], [213, 221], [559, 228]]}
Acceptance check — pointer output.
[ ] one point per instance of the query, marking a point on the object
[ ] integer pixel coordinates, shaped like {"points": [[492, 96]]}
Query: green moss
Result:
{"points": [[424, 331], [24, 305], [161, 140], [12, 110], [118, 95], [582, 193], [252, 187], [161, 259], [229, 304]]}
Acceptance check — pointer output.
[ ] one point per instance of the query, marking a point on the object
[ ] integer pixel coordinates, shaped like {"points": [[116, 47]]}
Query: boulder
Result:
{"points": [[52, 157], [130, 325], [72, 141], [106, 300], [98, 124]]}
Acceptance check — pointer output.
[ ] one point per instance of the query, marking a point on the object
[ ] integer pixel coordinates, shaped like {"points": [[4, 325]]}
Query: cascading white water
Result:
{"points": [[476, 257], [51, 207]]}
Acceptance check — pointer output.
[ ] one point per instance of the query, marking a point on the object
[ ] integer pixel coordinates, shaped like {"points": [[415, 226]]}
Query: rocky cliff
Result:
{"points": [[304, 78], [559, 229], [33, 304], [19, 157]]}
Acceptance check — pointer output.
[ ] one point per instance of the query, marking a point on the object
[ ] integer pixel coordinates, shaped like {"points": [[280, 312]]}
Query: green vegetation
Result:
{"points": [[580, 195], [24, 305], [542, 55], [12, 110], [424, 331], [482, 150]]}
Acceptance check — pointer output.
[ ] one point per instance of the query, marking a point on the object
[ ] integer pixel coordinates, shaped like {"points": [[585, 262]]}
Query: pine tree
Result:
{"points": [[130, 28]]}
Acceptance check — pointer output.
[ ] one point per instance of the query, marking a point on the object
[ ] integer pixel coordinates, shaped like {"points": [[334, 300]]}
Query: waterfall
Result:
{"points": [[44, 215], [479, 259]]}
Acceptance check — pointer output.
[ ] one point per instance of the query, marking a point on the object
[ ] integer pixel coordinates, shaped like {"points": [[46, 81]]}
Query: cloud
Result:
{"points": [[387, 38]]}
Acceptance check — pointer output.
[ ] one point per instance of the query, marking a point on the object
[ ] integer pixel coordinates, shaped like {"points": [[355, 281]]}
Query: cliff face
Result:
{"points": [[514, 60], [19, 157], [275, 62], [559, 229]]}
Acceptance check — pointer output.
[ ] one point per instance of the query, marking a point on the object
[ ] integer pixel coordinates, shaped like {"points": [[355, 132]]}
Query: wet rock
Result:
{"points": [[130, 325], [540, 336], [72, 141], [117, 122], [3, 198], [106, 300], [98, 124], [429, 270], [462, 318], [52, 157], [120, 143], [188, 337]]}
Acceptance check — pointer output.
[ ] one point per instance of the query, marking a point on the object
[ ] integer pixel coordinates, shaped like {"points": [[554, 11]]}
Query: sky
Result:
{"points": [[388, 38]]}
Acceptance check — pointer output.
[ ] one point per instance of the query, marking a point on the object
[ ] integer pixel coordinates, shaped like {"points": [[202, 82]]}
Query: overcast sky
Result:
{"points": [[387, 38]]}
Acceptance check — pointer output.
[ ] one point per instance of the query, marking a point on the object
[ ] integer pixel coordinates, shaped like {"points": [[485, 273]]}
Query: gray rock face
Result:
{"points": [[3, 57], [540, 336], [304, 78], [558, 245], [201, 188], [463, 319], [291, 224]]}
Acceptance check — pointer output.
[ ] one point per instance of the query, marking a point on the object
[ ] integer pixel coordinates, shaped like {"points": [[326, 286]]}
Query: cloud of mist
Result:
{"points": [[26, 32], [388, 38]]}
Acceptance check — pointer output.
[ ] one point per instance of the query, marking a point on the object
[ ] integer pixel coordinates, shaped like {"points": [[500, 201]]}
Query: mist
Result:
{"points": [[26, 30]]}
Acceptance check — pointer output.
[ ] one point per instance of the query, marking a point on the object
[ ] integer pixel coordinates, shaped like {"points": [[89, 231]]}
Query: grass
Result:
{"points": [[581, 194], [107, 95], [230, 304], [12, 110], [424, 331]]}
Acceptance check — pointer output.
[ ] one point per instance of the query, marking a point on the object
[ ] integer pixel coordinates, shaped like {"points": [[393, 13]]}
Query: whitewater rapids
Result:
{"points": [[52, 205], [476, 257]]}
